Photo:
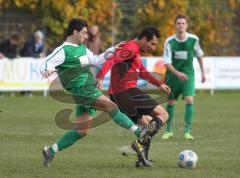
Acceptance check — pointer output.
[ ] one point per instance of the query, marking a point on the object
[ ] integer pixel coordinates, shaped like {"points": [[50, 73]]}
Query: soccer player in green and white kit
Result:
{"points": [[72, 61], [179, 51]]}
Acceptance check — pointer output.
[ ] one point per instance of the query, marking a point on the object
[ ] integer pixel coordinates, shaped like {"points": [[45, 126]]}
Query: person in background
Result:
{"points": [[9, 47], [94, 42], [35, 46]]}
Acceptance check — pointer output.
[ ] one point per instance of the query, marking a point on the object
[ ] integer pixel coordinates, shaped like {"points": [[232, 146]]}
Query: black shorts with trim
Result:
{"points": [[134, 103]]}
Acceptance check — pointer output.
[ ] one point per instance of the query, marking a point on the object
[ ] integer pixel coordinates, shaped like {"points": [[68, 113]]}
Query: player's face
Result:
{"points": [[82, 36], [150, 45], [181, 25]]}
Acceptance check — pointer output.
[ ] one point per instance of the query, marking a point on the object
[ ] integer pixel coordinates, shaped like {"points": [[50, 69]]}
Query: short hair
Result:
{"points": [[39, 34], [15, 36], [180, 17], [149, 33], [75, 24]]}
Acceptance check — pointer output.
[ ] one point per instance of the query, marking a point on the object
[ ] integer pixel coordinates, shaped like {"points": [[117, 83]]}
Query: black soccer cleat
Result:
{"points": [[136, 146], [47, 158]]}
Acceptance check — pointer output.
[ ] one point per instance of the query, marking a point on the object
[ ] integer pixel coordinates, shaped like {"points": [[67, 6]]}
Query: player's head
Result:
{"points": [[148, 39], [77, 28], [181, 23]]}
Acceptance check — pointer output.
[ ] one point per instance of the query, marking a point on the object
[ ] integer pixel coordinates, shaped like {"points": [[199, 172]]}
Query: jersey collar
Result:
{"points": [[68, 43], [187, 35]]}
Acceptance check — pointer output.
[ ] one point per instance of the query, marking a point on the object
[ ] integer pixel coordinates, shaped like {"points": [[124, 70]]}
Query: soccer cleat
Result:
{"points": [[47, 157], [167, 135], [188, 136], [136, 146]]}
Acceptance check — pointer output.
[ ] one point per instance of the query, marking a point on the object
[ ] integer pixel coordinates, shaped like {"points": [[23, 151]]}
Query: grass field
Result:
{"points": [[28, 124]]}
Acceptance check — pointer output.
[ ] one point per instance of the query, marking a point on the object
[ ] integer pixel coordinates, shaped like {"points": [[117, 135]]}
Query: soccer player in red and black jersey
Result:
{"points": [[126, 68]]}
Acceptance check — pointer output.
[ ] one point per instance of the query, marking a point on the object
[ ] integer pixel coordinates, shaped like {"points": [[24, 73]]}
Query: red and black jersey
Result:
{"points": [[127, 67]]}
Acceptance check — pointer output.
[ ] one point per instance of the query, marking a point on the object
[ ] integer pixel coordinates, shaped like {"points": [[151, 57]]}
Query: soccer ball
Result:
{"points": [[187, 159]]}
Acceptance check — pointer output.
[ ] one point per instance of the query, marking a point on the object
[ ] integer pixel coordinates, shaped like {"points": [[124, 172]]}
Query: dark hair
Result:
{"points": [[149, 33], [180, 17], [15, 36], [75, 24]]}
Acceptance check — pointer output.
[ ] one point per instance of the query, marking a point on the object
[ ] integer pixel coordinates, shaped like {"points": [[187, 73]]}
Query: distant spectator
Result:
{"points": [[9, 47], [35, 46], [94, 41]]}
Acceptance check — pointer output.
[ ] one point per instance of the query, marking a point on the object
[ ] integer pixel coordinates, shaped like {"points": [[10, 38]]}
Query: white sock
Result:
{"points": [[133, 128], [55, 148]]}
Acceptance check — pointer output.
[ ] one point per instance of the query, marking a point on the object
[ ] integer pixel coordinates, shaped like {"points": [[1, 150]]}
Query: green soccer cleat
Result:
{"points": [[167, 135], [47, 157], [188, 136]]}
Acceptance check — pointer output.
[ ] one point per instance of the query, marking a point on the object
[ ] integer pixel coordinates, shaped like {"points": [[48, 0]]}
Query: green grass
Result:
{"points": [[28, 124]]}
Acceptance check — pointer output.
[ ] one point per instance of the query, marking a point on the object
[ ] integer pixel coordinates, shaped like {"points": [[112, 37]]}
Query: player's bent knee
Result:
{"points": [[165, 117], [83, 133], [110, 106], [189, 100]]}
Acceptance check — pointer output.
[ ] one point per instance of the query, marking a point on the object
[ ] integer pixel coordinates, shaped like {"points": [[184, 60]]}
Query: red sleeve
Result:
{"points": [[105, 67], [149, 77], [127, 52]]}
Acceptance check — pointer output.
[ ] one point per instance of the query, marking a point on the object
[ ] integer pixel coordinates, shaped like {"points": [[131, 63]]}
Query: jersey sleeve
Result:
{"points": [[125, 53], [144, 74], [101, 58], [53, 60], [197, 50], [167, 53]]}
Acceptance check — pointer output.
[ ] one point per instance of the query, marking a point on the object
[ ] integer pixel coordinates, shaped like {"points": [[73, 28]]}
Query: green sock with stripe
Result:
{"points": [[124, 121]]}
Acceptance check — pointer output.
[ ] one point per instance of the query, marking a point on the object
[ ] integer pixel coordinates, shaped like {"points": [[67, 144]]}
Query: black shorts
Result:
{"points": [[134, 103]]}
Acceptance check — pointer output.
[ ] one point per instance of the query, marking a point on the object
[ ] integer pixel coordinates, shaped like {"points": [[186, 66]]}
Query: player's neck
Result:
{"points": [[138, 42], [71, 40], [181, 35]]}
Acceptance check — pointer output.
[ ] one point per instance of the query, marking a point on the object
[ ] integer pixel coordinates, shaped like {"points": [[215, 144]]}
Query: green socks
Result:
{"points": [[72, 136], [170, 110], [66, 141], [188, 117], [124, 121]]}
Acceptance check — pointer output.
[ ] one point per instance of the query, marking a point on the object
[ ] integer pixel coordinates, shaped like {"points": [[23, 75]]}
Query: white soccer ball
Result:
{"points": [[187, 159]]}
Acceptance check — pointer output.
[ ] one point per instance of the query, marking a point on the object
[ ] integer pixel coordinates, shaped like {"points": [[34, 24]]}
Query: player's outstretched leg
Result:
{"points": [[67, 140]]}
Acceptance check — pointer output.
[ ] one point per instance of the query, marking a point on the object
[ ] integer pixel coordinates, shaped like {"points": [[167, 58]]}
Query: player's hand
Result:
{"points": [[119, 45], [165, 88], [203, 78], [99, 84], [182, 76], [48, 73]]}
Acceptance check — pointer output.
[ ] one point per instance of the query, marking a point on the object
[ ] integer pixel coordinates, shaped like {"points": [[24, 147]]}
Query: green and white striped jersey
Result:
{"points": [[180, 53], [72, 63]]}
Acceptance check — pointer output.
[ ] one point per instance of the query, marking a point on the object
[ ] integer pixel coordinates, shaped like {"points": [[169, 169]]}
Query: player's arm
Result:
{"points": [[97, 60], [144, 74], [49, 64], [199, 54], [167, 57]]}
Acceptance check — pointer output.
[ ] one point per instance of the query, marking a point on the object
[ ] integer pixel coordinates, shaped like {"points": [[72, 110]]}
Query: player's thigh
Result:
{"points": [[188, 88], [82, 109], [176, 89], [85, 95], [103, 103], [125, 106], [135, 102]]}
